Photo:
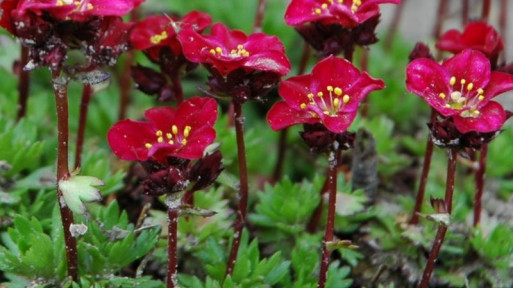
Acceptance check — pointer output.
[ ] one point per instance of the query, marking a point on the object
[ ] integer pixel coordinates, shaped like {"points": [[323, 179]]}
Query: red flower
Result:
{"points": [[330, 96], [462, 87], [157, 31], [347, 13], [477, 35], [227, 50], [184, 132]]}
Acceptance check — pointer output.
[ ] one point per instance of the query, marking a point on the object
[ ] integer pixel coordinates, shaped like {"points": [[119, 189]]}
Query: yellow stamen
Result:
{"points": [[212, 51], [345, 98], [219, 50], [320, 94], [336, 102], [169, 135], [303, 106], [184, 141], [160, 139], [463, 81], [174, 129], [156, 39], [452, 81], [324, 6], [480, 98], [338, 91], [310, 96], [186, 131], [476, 112], [158, 133], [470, 86], [148, 145], [480, 91], [329, 88], [90, 6], [442, 95], [171, 142], [317, 11]]}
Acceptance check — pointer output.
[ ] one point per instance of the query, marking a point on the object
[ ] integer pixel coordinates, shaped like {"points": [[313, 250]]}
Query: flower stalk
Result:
{"points": [[442, 228], [243, 188], [172, 253], [23, 84], [257, 27], [330, 224], [87, 93], [61, 101], [480, 179], [487, 5]]}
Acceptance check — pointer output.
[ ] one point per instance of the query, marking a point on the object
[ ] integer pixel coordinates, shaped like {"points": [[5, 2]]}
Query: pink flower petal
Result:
{"points": [[471, 65], [491, 118], [282, 115]]}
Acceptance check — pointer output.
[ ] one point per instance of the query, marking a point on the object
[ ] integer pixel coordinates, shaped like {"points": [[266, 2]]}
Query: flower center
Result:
{"points": [[80, 5], [329, 103], [156, 39], [239, 52], [463, 96], [324, 8], [171, 138]]}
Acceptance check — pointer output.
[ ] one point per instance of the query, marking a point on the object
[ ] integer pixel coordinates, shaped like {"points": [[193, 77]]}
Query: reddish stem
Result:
{"points": [[177, 87], [330, 223], [23, 84], [440, 18], [240, 222], [61, 103], [172, 255], [125, 84], [87, 93], [442, 229], [259, 16], [392, 29], [464, 12], [364, 63], [282, 142], [503, 19], [480, 178], [487, 4], [424, 175]]}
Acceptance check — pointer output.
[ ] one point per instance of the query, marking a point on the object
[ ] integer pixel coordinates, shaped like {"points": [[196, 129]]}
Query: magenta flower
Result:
{"points": [[227, 50], [347, 13], [184, 132], [158, 31], [477, 35], [461, 87], [330, 96]]}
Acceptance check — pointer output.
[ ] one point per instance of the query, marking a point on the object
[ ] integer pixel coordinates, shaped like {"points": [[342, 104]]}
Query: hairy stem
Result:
{"points": [[440, 18], [330, 223], [392, 29], [61, 102], [487, 5], [172, 255], [424, 175], [442, 229], [282, 142], [125, 83], [87, 93], [177, 87], [23, 84], [480, 178], [259, 16], [240, 222]]}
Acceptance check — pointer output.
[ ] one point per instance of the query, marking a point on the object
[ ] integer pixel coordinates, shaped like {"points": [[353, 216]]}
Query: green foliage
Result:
{"points": [[496, 247], [21, 148], [97, 164]]}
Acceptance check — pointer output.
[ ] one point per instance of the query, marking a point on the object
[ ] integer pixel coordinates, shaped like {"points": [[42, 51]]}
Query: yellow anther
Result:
{"points": [[480, 98], [357, 2], [320, 94], [480, 91], [340, 1], [463, 81], [158, 133], [219, 50], [184, 141], [470, 86], [212, 51], [338, 91], [329, 88], [90, 6], [147, 145], [317, 11], [326, 113], [174, 129], [303, 106], [324, 6], [336, 102], [442, 95], [240, 47], [156, 39], [246, 53], [171, 142], [310, 96], [476, 112], [452, 81], [186, 131], [169, 135], [346, 98], [233, 51], [160, 139]]}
